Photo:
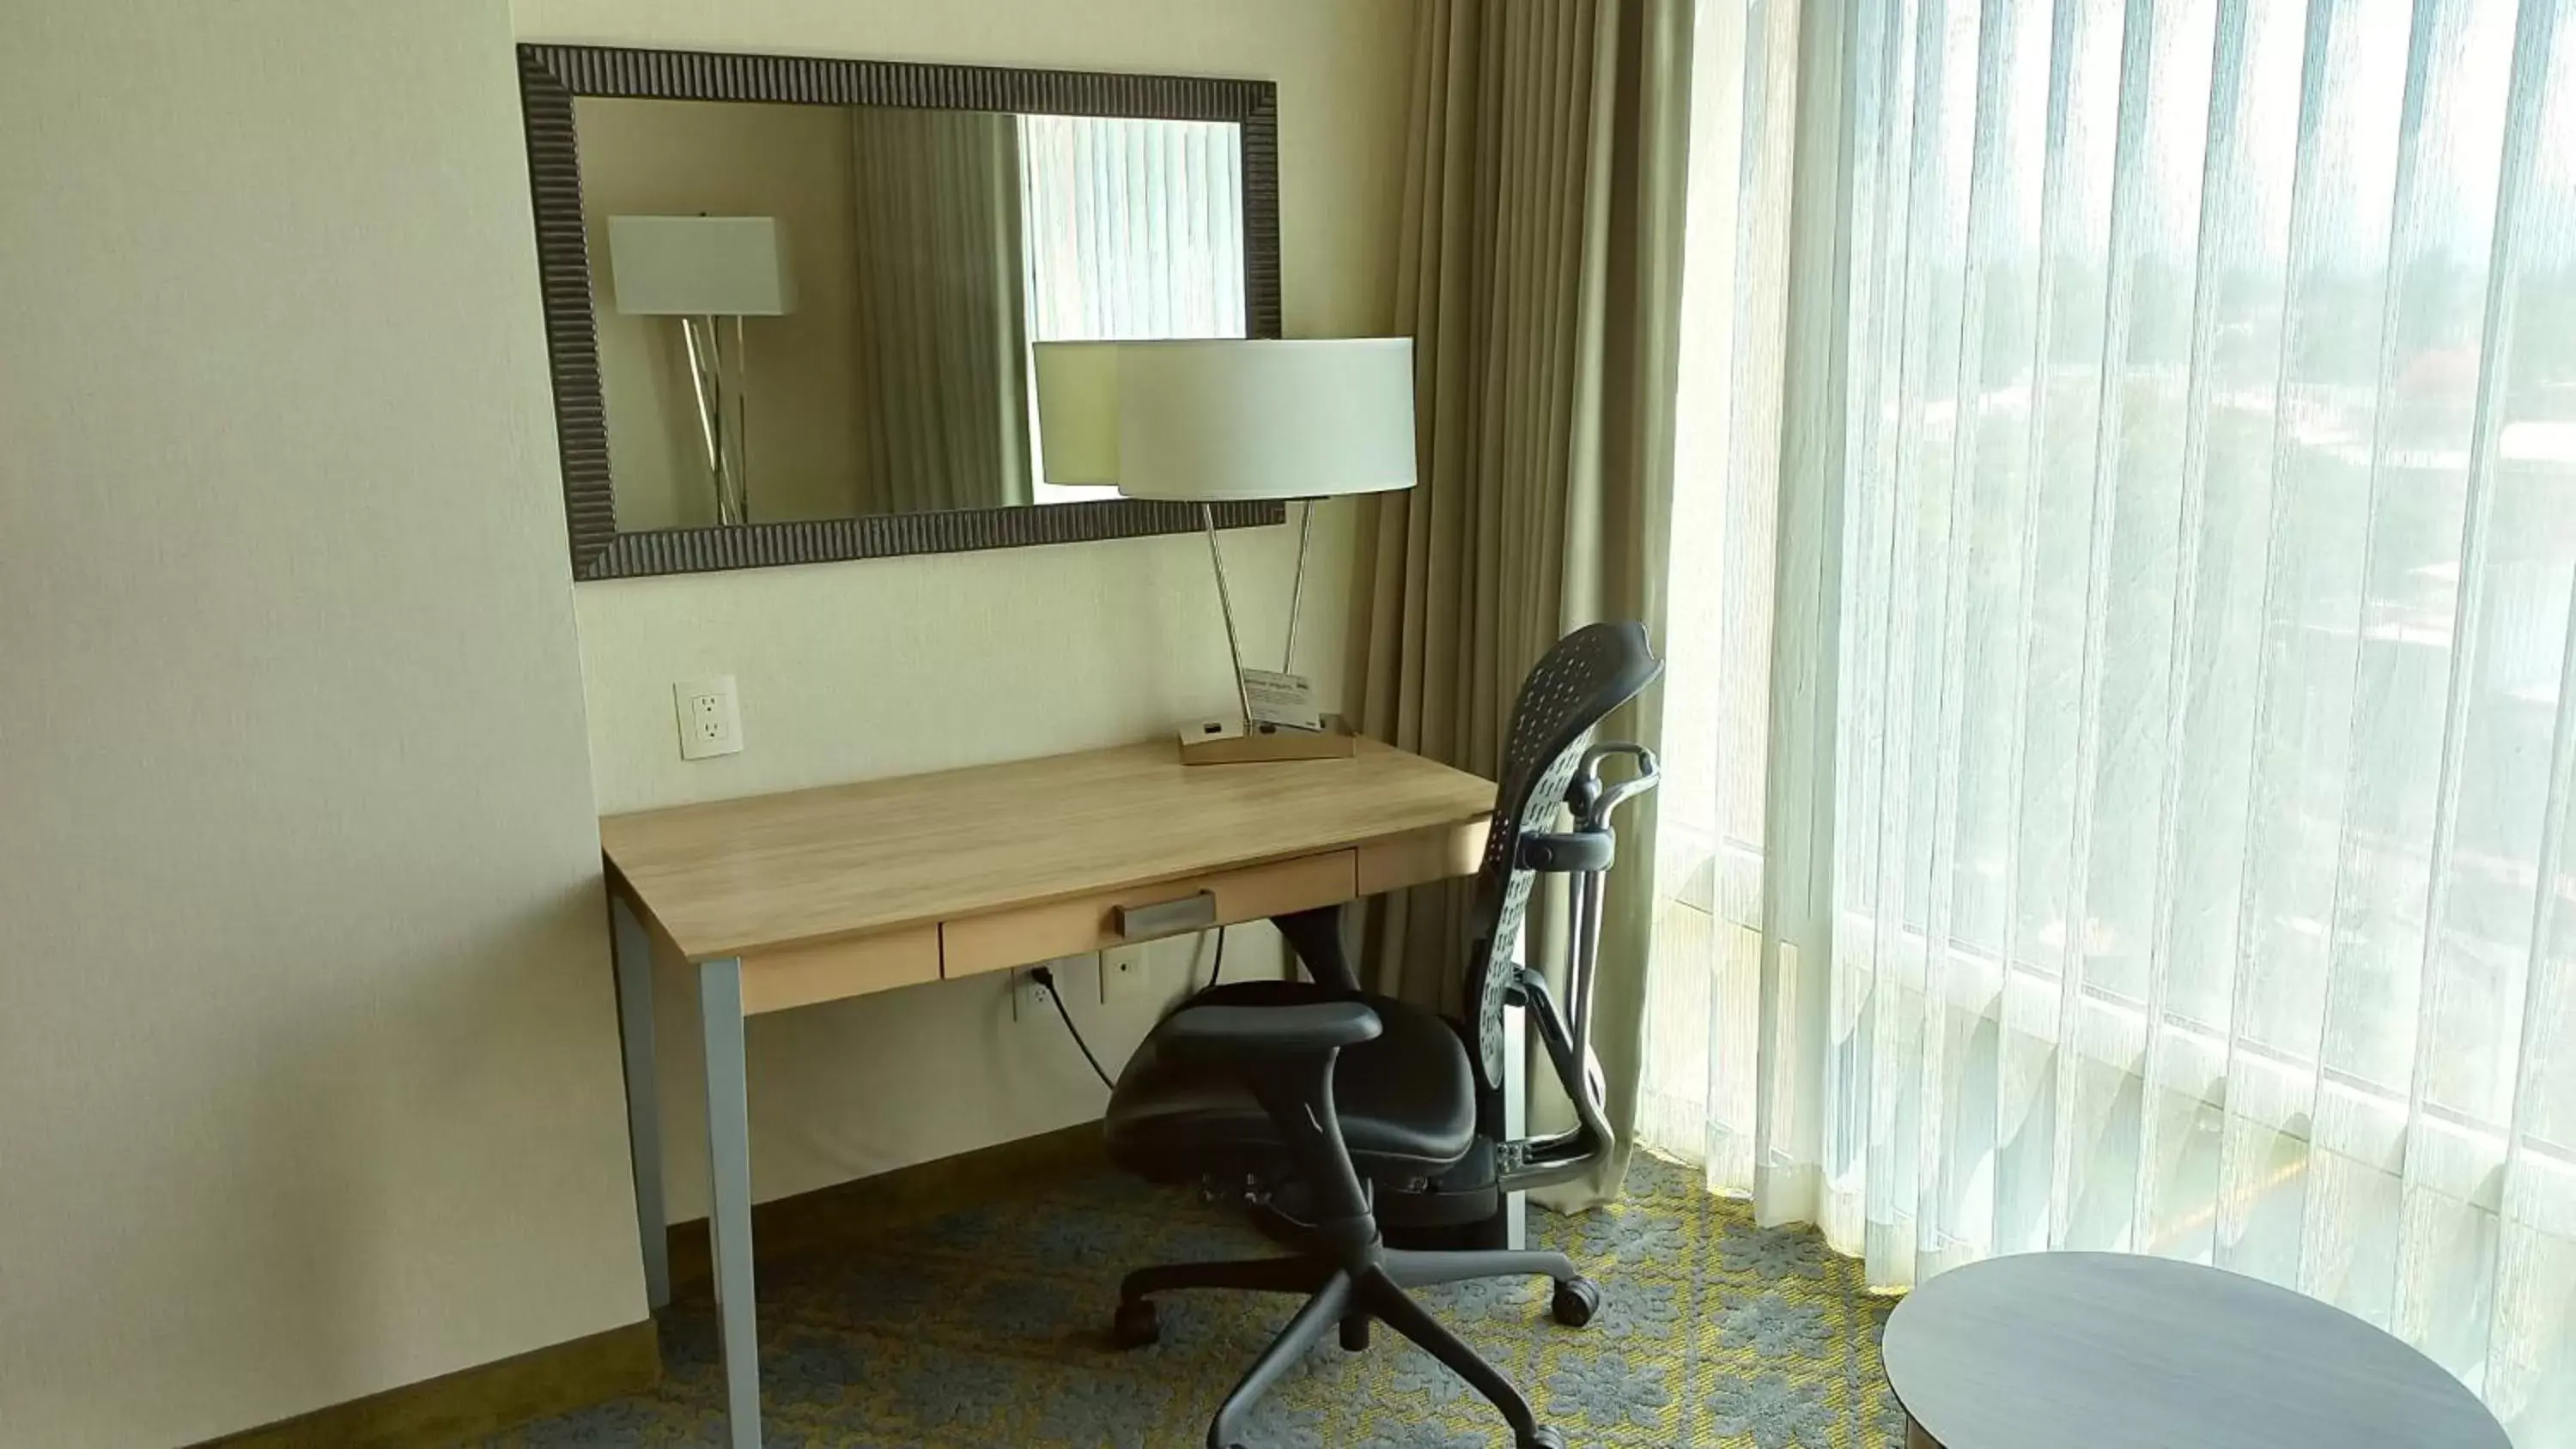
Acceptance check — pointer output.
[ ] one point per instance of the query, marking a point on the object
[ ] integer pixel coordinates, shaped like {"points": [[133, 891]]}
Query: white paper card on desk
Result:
{"points": [[1286, 700]]}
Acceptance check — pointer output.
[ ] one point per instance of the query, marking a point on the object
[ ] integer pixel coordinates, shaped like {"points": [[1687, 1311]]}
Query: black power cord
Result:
{"points": [[1045, 977]]}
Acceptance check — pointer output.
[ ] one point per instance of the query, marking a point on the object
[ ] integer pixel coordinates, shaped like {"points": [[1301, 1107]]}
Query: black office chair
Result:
{"points": [[1340, 1107]]}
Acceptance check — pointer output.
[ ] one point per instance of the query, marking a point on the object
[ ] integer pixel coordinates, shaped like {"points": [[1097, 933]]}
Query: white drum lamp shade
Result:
{"points": [[699, 266], [1218, 421], [1236, 421]]}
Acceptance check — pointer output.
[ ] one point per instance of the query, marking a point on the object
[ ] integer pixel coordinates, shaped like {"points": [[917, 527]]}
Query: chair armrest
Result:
{"points": [[1222, 1033], [1285, 1055]]}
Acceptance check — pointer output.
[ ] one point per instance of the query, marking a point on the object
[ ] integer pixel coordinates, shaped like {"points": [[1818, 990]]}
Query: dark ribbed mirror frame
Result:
{"points": [[550, 76]]}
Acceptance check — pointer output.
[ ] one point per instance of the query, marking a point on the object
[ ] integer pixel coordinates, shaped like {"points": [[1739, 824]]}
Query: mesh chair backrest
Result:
{"points": [[1589, 673]]}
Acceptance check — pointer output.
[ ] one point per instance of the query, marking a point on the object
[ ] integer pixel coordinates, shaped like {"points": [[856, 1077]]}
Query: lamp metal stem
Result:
{"points": [[705, 391], [724, 414], [1297, 587], [741, 470], [1225, 602]]}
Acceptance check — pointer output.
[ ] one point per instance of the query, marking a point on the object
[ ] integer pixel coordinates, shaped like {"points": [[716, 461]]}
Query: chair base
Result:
{"points": [[1348, 1297]]}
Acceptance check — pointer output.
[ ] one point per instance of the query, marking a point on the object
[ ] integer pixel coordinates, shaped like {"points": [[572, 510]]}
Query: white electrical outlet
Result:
{"points": [[1026, 997], [1123, 976], [1078, 976], [1029, 999], [710, 717]]}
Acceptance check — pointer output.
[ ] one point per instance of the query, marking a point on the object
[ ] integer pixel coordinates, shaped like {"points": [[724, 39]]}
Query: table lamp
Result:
{"points": [[701, 269], [1225, 421]]}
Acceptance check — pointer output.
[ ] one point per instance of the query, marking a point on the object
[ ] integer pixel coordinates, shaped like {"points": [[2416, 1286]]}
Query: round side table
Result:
{"points": [[2112, 1351]]}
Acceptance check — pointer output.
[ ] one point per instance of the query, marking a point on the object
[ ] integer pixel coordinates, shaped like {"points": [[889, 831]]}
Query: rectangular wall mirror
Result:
{"points": [[791, 301]]}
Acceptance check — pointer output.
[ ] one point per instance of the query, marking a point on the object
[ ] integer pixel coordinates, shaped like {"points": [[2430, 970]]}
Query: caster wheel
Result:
{"points": [[1355, 1333], [1135, 1326], [1576, 1301], [1542, 1438]]}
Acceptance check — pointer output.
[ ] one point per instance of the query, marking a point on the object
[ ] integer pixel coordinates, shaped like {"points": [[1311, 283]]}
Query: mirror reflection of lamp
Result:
{"points": [[705, 270]]}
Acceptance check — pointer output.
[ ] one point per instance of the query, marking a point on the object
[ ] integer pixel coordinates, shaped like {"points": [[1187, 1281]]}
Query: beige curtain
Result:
{"points": [[1541, 279], [942, 310]]}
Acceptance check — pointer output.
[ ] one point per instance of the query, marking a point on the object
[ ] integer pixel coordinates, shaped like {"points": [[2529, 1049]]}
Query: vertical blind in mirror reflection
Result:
{"points": [[928, 251]]}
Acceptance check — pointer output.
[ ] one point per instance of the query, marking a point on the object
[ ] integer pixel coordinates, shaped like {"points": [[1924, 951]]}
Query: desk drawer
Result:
{"points": [[1422, 857], [802, 975], [1090, 923]]}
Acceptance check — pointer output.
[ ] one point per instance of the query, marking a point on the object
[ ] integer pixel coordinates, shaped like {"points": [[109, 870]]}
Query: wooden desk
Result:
{"points": [[787, 900]]}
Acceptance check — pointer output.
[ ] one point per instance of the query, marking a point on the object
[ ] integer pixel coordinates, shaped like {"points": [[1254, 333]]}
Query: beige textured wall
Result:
{"points": [[308, 1081], [866, 669], [681, 158]]}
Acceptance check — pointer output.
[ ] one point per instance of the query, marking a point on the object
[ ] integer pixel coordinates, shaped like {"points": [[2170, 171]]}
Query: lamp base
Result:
{"points": [[1232, 742]]}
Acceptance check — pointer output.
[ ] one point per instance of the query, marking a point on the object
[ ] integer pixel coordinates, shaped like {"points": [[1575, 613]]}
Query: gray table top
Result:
{"points": [[2113, 1351]]}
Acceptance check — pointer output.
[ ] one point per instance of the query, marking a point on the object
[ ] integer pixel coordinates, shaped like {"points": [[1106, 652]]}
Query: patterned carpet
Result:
{"points": [[987, 1328]]}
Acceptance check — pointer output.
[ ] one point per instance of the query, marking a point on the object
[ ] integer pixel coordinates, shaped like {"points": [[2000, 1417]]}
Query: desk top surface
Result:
{"points": [[733, 876]]}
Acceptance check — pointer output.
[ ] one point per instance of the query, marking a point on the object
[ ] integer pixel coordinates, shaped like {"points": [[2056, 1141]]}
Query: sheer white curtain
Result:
{"points": [[2122, 714]]}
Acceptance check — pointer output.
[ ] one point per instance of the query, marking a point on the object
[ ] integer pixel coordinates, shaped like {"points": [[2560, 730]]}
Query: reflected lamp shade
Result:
{"points": [[699, 266], [1229, 420], [1078, 411]]}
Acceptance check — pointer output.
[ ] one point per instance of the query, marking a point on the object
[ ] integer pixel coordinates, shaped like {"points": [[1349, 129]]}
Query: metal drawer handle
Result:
{"points": [[1167, 918]]}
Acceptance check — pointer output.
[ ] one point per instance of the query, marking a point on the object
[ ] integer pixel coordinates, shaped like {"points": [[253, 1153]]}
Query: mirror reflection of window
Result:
{"points": [[1133, 229], [980, 234]]}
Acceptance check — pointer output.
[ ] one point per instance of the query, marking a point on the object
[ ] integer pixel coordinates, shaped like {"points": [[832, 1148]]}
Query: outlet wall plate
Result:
{"points": [[1123, 976], [1029, 999], [709, 715]]}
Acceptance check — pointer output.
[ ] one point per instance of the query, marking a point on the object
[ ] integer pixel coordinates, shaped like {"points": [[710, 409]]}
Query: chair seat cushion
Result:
{"points": [[1407, 1100]]}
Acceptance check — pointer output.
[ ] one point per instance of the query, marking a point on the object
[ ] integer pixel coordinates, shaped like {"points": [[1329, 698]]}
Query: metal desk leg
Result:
{"points": [[633, 951], [729, 1172]]}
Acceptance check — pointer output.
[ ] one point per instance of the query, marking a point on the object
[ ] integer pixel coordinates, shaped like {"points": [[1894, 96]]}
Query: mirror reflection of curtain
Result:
{"points": [[941, 310], [1135, 228]]}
